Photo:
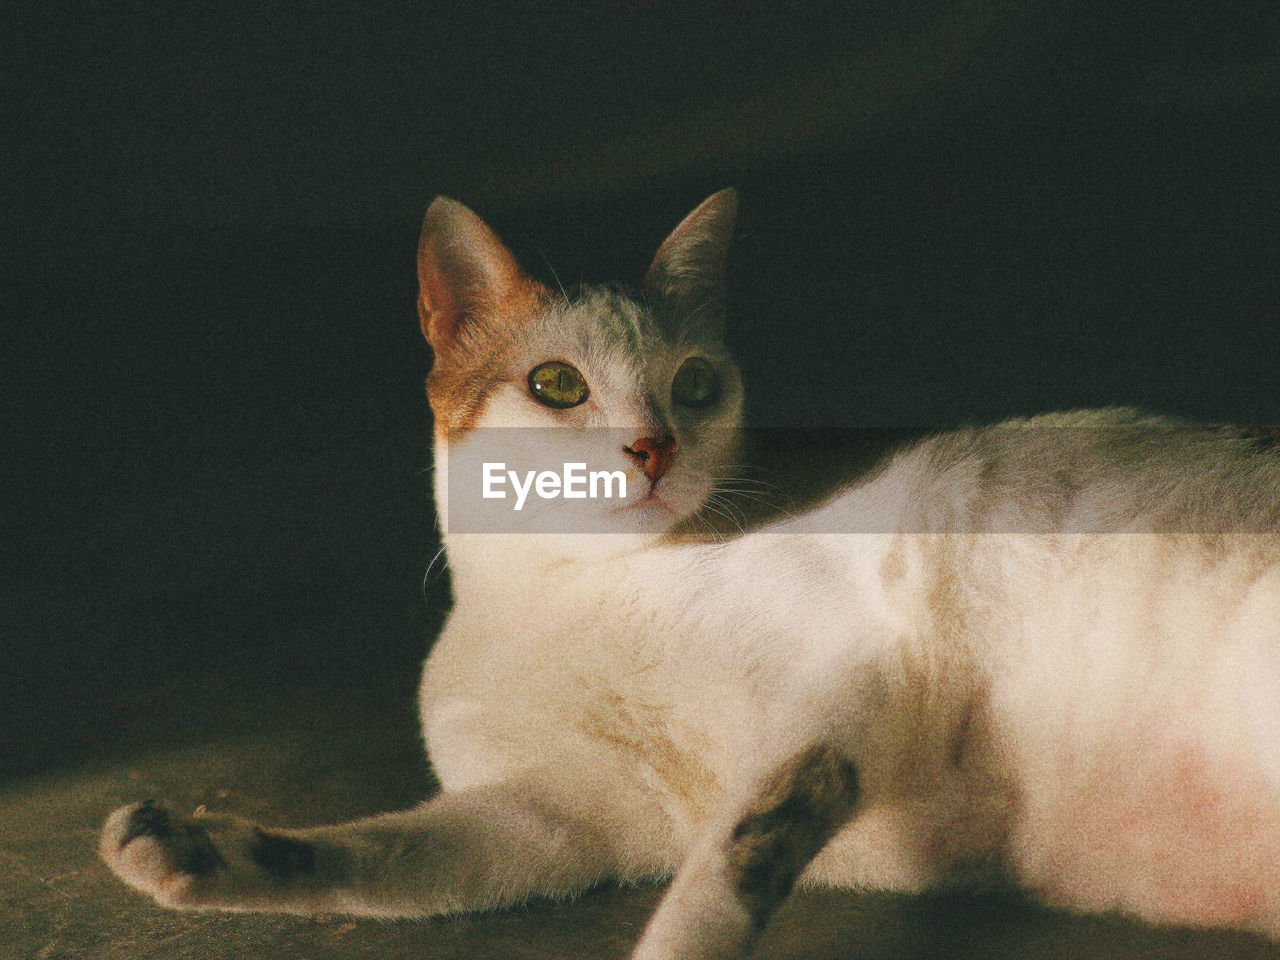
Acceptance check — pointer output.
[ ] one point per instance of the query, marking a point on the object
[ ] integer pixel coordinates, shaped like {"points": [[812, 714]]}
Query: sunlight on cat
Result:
{"points": [[1045, 652]]}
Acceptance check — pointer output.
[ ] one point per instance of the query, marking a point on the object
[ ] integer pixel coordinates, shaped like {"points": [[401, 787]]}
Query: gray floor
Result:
{"points": [[295, 767]]}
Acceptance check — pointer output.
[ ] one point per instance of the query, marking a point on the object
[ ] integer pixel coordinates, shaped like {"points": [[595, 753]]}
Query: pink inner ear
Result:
{"points": [[439, 306], [464, 271]]}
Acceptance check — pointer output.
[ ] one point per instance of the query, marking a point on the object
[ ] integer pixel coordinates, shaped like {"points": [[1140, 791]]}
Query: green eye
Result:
{"points": [[557, 384], [696, 383]]}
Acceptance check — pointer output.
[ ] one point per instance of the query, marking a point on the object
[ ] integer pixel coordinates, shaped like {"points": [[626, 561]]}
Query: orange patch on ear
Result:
{"points": [[464, 271], [479, 360], [472, 298]]}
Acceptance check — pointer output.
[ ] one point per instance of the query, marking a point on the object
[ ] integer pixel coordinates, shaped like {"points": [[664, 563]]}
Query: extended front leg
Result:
{"points": [[746, 864], [482, 847]]}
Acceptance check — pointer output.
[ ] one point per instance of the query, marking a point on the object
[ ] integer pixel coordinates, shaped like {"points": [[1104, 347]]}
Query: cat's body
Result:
{"points": [[1046, 652], [1047, 689]]}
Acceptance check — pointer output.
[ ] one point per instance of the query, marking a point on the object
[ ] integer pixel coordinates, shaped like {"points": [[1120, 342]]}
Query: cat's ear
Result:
{"points": [[692, 262], [464, 272]]}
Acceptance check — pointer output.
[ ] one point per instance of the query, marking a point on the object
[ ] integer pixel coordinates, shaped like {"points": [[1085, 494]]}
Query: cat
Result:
{"points": [[1045, 652]]}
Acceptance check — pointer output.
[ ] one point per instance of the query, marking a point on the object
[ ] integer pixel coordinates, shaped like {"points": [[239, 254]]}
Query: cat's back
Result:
{"points": [[1113, 470]]}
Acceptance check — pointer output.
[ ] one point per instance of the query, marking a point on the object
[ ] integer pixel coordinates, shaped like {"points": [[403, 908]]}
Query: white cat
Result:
{"points": [[1046, 651]]}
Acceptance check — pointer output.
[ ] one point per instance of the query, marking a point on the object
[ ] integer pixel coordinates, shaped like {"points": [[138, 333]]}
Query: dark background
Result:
{"points": [[952, 209]]}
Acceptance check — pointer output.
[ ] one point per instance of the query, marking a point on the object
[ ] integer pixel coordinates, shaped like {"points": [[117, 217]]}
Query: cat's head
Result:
{"points": [[638, 382]]}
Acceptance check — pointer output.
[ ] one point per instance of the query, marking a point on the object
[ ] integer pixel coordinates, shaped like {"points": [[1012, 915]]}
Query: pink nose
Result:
{"points": [[654, 455]]}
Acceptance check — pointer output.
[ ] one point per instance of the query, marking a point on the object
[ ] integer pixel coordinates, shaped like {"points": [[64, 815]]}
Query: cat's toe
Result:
{"points": [[161, 854]]}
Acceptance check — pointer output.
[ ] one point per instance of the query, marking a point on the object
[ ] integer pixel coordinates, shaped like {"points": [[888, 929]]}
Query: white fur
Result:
{"points": [[1115, 692]]}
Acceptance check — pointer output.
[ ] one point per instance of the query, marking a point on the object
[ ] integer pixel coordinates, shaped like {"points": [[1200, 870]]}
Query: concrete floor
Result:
{"points": [[289, 765]]}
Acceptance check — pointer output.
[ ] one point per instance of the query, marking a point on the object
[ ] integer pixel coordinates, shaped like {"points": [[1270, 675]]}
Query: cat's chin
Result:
{"points": [[655, 514], [641, 520], [631, 526], [650, 508]]}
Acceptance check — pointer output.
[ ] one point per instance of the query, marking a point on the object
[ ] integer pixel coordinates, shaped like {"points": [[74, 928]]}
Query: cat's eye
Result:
{"points": [[696, 383], [558, 385]]}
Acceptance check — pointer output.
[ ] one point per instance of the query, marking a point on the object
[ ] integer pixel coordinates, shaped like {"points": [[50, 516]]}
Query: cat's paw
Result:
{"points": [[159, 853], [204, 860]]}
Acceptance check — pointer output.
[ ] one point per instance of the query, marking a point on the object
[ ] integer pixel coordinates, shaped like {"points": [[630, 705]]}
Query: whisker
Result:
{"points": [[757, 483], [735, 510], [715, 507], [710, 506], [563, 292], [751, 495], [426, 576], [710, 529], [750, 468]]}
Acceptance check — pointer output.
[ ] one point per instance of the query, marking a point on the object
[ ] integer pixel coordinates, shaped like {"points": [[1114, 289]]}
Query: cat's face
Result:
{"points": [[638, 384]]}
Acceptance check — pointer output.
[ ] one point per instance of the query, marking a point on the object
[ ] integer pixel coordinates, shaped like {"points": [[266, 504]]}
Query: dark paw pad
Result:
{"points": [[188, 846], [197, 854], [282, 857], [149, 820]]}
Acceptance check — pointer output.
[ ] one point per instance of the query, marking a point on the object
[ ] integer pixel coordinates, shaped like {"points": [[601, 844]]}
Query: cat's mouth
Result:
{"points": [[651, 500], [658, 505]]}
